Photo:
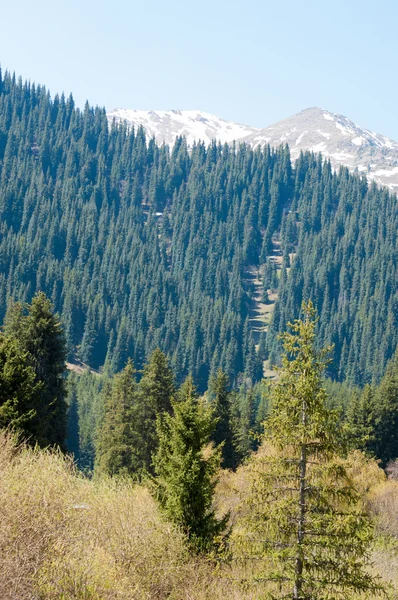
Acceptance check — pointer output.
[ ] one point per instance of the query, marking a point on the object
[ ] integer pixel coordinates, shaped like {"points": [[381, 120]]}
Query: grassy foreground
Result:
{"points": [[64, 537]]}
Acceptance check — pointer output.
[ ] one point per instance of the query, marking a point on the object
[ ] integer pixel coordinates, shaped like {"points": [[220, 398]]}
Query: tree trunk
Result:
{"points": [[298, 579]]}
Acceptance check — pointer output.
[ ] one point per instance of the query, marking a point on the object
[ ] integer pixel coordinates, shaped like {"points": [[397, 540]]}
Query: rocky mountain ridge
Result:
{"points": [[335, 136], [195, 125]]}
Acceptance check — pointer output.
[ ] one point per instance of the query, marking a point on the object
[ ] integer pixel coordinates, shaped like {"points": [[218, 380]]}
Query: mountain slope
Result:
{"points": [[337, 138], [195, 125], [139, 247], [314, 129]]}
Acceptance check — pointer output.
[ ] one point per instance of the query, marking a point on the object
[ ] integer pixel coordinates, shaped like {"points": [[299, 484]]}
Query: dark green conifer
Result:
{"points": [[304, 533], [39, 334], [19, 392], [186, 466], [119, 444], [157, 390], [220, 396]]}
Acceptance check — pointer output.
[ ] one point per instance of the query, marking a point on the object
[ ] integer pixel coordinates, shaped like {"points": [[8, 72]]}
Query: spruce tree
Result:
{"points": [[223, 436], [39, 333], [157, 387], [372, 417], [19, 392], [386, 417], [244, 436], [186, 465], [119, 447], [304, 532], [360, 423]]}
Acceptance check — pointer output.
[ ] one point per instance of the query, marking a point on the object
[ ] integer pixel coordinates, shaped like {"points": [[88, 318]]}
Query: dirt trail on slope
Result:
{"points": [[260, 313]]}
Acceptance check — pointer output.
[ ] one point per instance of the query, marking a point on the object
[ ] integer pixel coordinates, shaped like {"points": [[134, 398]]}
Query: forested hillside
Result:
{"points": [[347, 263], [142, 247]]}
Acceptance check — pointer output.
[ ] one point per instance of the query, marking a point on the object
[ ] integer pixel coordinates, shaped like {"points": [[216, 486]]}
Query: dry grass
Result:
{"points": [[64, 537]]}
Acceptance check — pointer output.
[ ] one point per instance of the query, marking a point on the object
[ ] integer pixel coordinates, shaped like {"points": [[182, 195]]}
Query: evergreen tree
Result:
{"points": [[40, 335], [119, 443], [386, 414], [360, 422], [19, 392], [78, 201], [245, 435], [372, 417], [86, 397], [186, 465], [157, 387], [304, 529], [223, 436]]}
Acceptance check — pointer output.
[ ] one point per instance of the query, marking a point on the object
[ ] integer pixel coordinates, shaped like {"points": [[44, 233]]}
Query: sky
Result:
{"points": [[253, 62]]}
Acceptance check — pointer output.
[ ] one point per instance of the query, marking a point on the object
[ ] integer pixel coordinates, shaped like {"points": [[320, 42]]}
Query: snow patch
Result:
{"points": [[166, 125], [343, 129], [387, 173], [342, 156], [321, 147], [325, 135], [358, 141], [328, 117], [300, 137]]}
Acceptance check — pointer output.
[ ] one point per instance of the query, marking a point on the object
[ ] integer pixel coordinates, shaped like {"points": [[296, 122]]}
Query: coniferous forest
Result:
{"points": [[144, 269], [140, 246]]}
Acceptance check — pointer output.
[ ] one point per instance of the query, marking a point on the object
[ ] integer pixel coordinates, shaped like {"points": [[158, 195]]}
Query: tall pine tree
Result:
{"points": [[304, 532]]}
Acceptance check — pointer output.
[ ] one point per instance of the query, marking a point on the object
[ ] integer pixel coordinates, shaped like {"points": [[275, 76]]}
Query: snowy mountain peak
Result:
{"points": [[195, 125], [315, 129], [337, 138]]}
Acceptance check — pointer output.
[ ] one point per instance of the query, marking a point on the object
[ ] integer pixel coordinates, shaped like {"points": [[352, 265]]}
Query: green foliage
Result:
{"points": [[186, 465], [249, 407], [116, 413], [157, 390], [119, 443], [372, 417], [245, 435], [386, 422], [304, 530], [142, 247], [361, 420], [346, 261], [39, 334], [339, 395], [86, 398], [19, 391], [223, 436], [80, 206]]}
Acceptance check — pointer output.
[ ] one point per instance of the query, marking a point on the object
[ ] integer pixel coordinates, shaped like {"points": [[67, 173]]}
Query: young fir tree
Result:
{"points": [[157, 387], [186, 465], [119, 443], [39, 333], [223, 436], [304, 532]]}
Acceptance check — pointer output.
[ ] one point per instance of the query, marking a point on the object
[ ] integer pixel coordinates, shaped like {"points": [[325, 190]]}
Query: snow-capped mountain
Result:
{"points": [[315, 129], [337, 138], [195, 125]]}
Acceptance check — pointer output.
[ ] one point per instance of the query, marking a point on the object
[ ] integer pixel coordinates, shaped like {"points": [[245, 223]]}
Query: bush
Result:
{"points": [[64, 537]]}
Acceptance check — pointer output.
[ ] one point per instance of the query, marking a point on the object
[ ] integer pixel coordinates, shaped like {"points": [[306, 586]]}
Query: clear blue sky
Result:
{"points": [[253, 62]]}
